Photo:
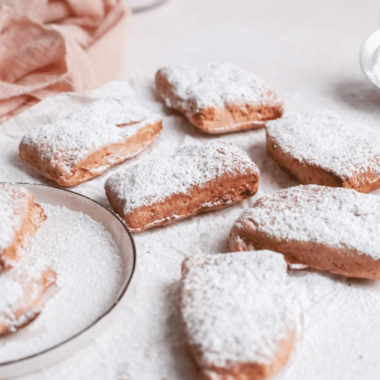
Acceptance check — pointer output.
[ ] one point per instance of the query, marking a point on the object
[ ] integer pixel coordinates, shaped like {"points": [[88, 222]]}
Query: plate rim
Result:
{"points": [[122, 292]]}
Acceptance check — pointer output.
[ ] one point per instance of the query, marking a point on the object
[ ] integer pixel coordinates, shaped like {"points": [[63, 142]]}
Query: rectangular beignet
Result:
{"points": [[197, 178], [91, 140], [322, 149], [239, 317], [218, 97], [326, 228], [20, 218]]}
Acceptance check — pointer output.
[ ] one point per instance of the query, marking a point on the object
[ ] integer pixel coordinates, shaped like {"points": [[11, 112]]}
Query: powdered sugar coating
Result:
{"points": [[107, 121], [195, 165], [11, 296], [324, 140], [334, 217], [89, 271], [13, 199], [20, 284], [214, 85], [236, 306]]}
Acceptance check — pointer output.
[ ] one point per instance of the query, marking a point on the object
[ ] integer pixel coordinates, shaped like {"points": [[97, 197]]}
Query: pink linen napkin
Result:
{"points": [[50, 46]]}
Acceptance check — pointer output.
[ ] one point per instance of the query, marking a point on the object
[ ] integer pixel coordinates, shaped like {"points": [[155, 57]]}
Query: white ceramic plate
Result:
{"points": [[368, 56], [124, 240]]}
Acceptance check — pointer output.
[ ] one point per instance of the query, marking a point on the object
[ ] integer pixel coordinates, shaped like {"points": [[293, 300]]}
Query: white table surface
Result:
{"points": [[308, 51]]}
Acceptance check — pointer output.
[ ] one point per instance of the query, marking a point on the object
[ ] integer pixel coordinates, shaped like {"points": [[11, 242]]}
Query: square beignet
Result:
{"points": [[321, 149], [197, 178], [218, 97], [20, 218], [22, 289], [238, 314], [91, 140]]}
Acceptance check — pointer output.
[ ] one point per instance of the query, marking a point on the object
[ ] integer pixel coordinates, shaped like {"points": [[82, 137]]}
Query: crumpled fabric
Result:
{"points": [[52, 46]]}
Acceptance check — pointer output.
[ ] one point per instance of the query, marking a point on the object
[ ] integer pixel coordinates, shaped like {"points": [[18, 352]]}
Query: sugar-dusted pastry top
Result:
{"points": [[236, 306], [13, 200], [106, 121], [324, 140], [192, 166], [214, 85], [335, 217]]}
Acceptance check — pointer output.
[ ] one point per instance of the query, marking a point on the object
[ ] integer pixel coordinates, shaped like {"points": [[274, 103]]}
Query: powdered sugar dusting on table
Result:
{"points": [[13, 199], [107, 121], [89, 276], [324, 140], [192, 166], [332, 216], [214, 85], [236, 307]]}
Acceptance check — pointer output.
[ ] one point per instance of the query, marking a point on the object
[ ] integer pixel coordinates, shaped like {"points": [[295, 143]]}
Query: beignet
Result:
{"points": [[326, 228], [239, 318], [197, 178], [321, 149], [218, 97], [90, 141], [20, 218], [22, 288]]}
